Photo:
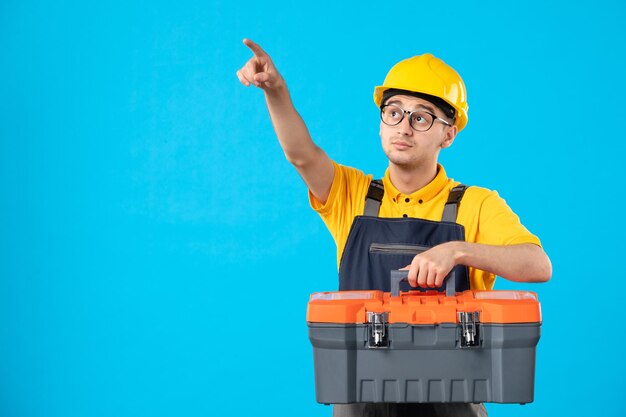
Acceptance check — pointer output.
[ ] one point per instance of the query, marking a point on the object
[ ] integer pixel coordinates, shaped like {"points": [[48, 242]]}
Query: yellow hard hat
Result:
{"points": [[427, 74]]}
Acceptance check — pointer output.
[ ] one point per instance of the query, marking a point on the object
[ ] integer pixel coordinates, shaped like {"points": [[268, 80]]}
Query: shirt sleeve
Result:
{"points": [[345, 200], [499, 225]]}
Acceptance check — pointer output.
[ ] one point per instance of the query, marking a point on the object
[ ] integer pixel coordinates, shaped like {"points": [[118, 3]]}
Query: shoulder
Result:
{"points": [[349, 173], [473, 194], [350, 180], [481, 201], [348, 188], [484, 204]]}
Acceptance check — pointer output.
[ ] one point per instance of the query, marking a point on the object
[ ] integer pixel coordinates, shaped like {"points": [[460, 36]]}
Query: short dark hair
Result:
{"points": [[443, 105]]}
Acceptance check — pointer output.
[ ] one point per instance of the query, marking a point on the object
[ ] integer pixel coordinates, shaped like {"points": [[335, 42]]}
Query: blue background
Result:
{"points": [[157, 251]]}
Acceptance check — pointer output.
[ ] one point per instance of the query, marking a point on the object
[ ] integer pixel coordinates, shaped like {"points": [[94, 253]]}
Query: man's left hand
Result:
{"points": [[430, 268]]}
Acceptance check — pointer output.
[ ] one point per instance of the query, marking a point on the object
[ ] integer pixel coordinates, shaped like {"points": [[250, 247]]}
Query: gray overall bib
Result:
{"points": [[375, 246]]}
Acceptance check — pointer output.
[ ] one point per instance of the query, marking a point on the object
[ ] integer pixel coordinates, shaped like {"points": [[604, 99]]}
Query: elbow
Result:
{"points": [[292, 157], [544, 276], [544, 269], [548, 275], [536, 266], [300, 160], [297, 162]]}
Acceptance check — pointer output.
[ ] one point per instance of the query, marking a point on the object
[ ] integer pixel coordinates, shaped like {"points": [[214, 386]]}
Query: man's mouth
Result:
{"points": [[401, 145]]}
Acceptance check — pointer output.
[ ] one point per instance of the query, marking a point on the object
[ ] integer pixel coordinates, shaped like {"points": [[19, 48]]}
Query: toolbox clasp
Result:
{"points": [[378, 333], [469, 321]]}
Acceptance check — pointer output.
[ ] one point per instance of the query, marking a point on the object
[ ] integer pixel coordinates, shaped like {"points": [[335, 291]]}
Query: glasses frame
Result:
{"points": [[410, 113]]}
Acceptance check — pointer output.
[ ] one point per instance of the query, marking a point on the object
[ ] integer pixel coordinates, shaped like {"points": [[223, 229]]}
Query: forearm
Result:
{"points": [[521, 263], [290, 129]]}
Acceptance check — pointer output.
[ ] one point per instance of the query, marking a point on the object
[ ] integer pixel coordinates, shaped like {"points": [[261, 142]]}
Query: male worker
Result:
{"points": [[416, 217]]}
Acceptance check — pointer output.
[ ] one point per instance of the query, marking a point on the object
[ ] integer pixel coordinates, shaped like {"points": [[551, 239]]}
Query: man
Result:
{"points": [[423, 107]]}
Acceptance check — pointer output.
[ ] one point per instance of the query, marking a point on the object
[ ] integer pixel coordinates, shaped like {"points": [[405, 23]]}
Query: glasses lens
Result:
{"points": [[421, 121], [391, 115]]}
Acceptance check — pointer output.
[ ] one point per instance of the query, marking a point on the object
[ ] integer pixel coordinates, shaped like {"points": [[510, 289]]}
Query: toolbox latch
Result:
{"points": [[378, 333], [469, 321]]}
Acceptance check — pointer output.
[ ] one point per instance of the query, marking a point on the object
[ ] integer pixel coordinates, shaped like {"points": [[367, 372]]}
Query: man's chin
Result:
{"points": [[404, 163]]}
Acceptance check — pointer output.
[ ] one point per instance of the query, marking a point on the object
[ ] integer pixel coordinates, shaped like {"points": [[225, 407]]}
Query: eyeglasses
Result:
{"points": [[419, 120]]}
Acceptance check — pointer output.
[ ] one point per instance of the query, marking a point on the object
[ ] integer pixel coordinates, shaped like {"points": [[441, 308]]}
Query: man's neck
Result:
{"points": [[409, 180]]}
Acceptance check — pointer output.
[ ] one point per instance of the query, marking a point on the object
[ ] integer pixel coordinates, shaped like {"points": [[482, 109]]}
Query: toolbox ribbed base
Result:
{"points": [[424, 363]]}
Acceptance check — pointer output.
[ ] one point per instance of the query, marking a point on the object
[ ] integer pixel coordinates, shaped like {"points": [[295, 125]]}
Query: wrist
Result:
{"points": [[277, 93], [459, 251]]}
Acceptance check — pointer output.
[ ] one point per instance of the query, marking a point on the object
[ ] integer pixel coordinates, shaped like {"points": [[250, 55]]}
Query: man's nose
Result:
{"points": [[404, 127]]}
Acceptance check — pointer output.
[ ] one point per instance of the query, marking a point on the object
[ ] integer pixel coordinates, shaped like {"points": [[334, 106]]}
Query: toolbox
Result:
{"points": [[417, 347]]}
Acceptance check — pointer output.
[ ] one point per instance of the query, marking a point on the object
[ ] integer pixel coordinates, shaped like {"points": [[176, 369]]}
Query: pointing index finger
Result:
{"points": [[256, 49]]}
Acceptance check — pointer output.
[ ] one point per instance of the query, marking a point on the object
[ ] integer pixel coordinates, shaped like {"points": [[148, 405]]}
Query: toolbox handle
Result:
{"points": [[398, 276]]}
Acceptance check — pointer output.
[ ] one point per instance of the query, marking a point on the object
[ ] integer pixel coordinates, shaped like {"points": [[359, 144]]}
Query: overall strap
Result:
{"points": [[452, 205], [374, 198]]}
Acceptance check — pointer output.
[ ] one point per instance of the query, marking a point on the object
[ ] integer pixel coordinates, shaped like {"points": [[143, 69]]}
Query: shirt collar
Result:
{"points": [[424, 194]]}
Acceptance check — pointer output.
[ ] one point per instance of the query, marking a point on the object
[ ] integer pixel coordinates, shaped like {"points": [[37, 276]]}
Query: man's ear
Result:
{"points": [[449, 136]]}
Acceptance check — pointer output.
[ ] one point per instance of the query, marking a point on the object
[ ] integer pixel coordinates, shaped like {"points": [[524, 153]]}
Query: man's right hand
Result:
{"points": [[260, 70]]}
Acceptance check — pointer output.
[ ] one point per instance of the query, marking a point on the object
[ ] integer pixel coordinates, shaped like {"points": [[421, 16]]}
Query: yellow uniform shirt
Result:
{"points": [[485, 216]]}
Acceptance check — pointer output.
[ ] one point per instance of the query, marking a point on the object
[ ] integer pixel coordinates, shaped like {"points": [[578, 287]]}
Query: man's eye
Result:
{"points": [[421, 118]]}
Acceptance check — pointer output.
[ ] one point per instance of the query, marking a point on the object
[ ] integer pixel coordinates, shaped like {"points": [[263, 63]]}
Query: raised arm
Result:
{"points": [[311, 162]]}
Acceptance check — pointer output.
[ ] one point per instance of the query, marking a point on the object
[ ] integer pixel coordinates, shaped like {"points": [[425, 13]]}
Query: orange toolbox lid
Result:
{"points": [[431, 307]]}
